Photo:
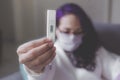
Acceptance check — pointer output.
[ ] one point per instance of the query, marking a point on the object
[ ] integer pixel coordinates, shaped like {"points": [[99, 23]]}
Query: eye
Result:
{"points": [[66, 31]]}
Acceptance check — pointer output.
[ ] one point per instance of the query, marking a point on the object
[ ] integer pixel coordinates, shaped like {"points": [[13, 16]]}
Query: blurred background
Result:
{"points": [[24, 20]]}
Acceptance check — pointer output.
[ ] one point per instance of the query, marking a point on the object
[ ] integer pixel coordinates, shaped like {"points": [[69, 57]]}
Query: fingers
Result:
{"points": [[35, 52], [38, 68], [32, 44], [49, 60], [42, 60]]}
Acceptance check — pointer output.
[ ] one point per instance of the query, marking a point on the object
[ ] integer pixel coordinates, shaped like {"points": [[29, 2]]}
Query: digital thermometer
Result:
{"points": [[51, 24]]}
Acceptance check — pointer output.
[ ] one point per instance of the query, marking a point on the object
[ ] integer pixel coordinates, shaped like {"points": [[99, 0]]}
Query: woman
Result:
{"points": [[76, 54]]}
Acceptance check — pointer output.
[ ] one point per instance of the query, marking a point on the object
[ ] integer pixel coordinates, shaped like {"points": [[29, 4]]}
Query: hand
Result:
{"points": [[36, 54]]}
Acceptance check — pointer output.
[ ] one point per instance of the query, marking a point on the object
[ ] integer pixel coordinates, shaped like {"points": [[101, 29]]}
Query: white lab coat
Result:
{"points": [[107, 67]]}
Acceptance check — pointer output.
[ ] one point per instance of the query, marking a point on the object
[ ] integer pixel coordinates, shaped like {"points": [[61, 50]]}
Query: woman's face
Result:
{"points": [[70, 24], [69, 33]]}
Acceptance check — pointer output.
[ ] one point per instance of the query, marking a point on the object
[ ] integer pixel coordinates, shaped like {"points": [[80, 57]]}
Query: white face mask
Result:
{"points": [[69, 42]]}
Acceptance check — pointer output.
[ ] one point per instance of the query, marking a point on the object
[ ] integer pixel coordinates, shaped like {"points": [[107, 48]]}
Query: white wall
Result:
{"points": [[30, 15], [115, 16], [6, 20], [24, 20]]}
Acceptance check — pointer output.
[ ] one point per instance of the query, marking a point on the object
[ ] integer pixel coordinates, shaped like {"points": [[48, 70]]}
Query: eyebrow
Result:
{"points": [[75, 30]]}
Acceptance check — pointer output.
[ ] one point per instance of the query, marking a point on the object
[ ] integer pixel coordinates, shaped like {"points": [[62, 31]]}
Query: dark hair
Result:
{"points": [[86, 53]]}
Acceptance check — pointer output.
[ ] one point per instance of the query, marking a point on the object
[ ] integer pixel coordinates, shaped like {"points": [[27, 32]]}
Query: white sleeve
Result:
{"points": [[48, 73], [111, 65]]}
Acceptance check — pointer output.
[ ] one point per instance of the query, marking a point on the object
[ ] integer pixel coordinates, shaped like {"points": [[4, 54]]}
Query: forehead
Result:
{"points": [[69, 21]]}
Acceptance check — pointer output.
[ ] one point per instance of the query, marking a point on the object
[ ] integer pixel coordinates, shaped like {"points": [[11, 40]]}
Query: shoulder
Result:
{"points": [[110, 63], [106, 57], [104, 53]]}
